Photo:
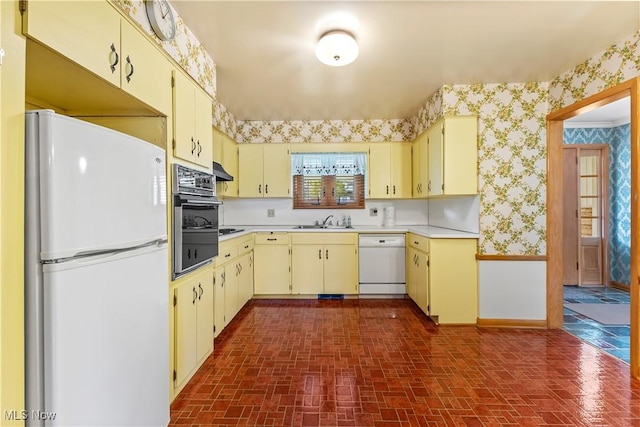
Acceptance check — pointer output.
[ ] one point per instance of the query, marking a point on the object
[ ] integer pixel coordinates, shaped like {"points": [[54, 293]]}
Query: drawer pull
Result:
{"points": [[246, 246], [271, 239], [416, 242], [227, 255]]}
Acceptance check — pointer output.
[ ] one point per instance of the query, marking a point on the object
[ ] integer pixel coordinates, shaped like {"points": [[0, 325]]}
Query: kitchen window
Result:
{"points": [[328, 180]]}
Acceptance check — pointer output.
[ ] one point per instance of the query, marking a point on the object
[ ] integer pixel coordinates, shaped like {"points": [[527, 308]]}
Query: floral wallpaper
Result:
{"points": [[224, 120], [428, 114], [619, 140], [614, 65], [324, 131], [185, 48], [511, 162]]}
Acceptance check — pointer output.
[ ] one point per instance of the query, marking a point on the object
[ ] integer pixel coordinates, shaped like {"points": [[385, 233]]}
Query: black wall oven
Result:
{"points": [[195, 219]]}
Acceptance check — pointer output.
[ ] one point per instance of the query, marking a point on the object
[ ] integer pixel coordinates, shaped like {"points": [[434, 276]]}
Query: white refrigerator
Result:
{"points": [[96, 276]]}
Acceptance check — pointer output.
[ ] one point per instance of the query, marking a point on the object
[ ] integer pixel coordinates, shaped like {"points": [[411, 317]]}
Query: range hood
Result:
{"points": [[220, 173]]}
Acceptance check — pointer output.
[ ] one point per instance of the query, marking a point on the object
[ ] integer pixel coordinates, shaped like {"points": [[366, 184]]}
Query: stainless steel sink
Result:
{"points": [[316, 226], [321, 227]]}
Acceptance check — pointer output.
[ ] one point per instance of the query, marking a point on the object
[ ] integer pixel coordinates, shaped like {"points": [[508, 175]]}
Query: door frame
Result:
{"points": [[604, 207], [554, 206]]}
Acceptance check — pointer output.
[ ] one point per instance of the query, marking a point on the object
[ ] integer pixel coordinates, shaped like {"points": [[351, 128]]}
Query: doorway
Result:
{"points": [[585, 215], [555, 195]]}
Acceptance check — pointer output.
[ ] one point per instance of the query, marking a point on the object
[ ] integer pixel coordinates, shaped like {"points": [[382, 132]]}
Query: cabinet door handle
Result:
{"points": [[201, 291], [326, 254], [130, 67], [246, 246], [195, 254], [193, 145], [259, 188], [195, 296], [319, 253], [394, 189], [266, 189], [227, 255], [116, 60], [250, 261], [387, 189], [429, 186], [189, 253], [224, 279], [270, 239], [199, 148], [415, 242], [226, 186]]}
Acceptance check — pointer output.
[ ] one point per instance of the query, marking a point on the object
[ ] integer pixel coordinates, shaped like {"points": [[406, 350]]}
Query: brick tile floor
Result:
{"points": [[383, 363]]}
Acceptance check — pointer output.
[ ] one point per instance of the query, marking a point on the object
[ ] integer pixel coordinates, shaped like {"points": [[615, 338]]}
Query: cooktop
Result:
{"points": [[224, 231]]}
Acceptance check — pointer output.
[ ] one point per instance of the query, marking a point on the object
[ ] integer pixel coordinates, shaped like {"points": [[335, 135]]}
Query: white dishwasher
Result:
{"points": [[381, 264]]}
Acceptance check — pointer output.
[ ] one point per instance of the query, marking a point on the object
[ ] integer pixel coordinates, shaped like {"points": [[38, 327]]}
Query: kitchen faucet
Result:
{"points": [[324, 223]]}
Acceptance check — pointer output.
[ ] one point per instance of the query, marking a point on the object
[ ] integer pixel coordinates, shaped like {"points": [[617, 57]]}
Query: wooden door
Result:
{"points": [[570, 265], [585, 218]]}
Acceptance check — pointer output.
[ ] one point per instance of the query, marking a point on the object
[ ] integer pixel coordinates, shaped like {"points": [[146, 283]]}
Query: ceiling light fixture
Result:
{"points": [[337, 48]]}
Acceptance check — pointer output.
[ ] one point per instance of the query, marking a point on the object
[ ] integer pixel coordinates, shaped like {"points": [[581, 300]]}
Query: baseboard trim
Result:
{"points": [[512, 323], [621, 286]]}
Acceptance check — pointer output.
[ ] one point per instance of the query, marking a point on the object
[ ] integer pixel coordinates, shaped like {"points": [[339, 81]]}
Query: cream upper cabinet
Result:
{"points": [[225, 152], [389, 170], [453, 156], [264, 170], [193, 135], [324, 263], [95, 36], [194, 319], [271, 264], [420, 166]]}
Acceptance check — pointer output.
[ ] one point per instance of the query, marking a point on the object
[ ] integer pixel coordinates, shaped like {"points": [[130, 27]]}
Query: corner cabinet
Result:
{"points": [[271, 267], [453, 156], [420, 167], [192, 109], [193, 330], [225, 152], [324, 263], [94, 35], [389, 170], [442, 278], [264, 170]]}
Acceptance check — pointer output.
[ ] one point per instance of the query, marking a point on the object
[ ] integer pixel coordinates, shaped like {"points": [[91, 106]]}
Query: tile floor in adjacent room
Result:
{"points": [[614, 340], [383, 363]]}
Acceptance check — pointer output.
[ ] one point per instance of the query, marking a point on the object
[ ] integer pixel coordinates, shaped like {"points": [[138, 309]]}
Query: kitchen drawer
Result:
{"points": [[245, 245], [419, 242], [271, 239], [226, 253], [324, 238]]}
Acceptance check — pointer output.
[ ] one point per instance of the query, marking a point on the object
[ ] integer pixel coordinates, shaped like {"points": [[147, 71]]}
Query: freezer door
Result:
{"points": [[106, 350], [99, 189]]}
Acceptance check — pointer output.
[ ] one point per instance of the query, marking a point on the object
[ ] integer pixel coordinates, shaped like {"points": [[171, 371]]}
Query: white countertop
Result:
{"points": [[421, 230]]}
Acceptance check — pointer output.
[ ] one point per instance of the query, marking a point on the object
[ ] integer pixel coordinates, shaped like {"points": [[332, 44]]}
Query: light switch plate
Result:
{"points": [[373, 212], [271, 213]]}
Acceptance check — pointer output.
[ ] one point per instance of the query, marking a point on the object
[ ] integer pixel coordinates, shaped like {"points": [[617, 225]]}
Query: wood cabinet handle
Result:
{"points": [[130, 66], [116, 60]]}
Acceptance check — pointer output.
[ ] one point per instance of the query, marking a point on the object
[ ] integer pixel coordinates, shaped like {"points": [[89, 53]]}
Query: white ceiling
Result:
{"points": [[267, 70], [613, 114]]}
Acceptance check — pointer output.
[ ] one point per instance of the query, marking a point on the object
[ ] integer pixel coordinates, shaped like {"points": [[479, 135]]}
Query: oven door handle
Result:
{"points": [[200, 202]]}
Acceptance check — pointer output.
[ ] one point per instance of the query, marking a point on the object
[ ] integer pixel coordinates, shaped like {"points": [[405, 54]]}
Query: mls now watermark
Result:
{"points": [[15, 415]]}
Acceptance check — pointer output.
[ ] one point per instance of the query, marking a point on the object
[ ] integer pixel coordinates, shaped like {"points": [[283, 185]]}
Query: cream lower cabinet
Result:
{"points": [[193, 331], [442, 278], [453, 281], [324, 263], [233, 280], [418, 277], [271, 267]]}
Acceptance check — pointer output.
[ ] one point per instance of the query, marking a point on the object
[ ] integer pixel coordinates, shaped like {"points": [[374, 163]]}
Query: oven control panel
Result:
{"points": [[191, 181]]}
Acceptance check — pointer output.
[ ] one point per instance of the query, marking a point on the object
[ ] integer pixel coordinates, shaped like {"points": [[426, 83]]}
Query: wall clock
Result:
{"points": [[161, 18]]}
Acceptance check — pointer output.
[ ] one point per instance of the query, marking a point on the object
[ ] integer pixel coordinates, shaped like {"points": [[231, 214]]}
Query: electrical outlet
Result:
{"points": [[271, 213], [373, 212]]}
